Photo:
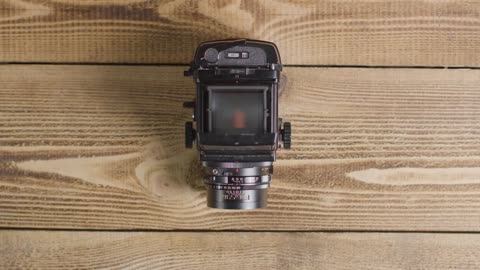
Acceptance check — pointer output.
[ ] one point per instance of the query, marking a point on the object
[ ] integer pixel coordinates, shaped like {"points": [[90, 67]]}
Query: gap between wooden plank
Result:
{"points": [[231, 231], [187, 64]]}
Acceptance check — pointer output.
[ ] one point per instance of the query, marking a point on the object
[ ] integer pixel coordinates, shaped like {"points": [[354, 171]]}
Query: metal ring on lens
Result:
{"points": [[238, 186]]}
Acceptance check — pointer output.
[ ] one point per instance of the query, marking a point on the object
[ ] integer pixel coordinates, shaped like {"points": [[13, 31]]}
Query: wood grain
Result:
{"points": [[333, 32], [120, 250], [101, 147]]}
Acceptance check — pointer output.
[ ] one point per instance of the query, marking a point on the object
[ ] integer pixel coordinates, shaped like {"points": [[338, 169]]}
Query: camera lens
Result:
{"points": [[236, 127], [237, 185]]}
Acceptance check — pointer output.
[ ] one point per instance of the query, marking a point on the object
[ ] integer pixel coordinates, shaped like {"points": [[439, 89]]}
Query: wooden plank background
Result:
{"points": [[384, 172], [311, 32], [244, 250], [101, 147]]}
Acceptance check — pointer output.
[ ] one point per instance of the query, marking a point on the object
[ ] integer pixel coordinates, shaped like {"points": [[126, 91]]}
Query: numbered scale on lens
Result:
{"points": [[228, 187]]}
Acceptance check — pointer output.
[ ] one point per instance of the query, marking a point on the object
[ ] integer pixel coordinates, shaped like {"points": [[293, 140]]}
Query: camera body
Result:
{"points": [[237, 129]]}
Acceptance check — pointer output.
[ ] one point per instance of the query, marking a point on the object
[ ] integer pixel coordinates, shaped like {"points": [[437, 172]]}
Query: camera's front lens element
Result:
{"points": [[237, 185]]}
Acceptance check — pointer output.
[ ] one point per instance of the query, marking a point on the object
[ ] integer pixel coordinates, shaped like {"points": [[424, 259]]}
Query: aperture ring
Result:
{"points": [[238, 180], [236, 187]]}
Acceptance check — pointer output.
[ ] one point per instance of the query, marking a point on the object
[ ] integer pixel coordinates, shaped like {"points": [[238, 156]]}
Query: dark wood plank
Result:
{"points": [[101, 147], [412, 33]]}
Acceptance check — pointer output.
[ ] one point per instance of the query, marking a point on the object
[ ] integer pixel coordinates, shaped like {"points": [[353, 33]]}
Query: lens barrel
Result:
{"points": [[237, 185]]}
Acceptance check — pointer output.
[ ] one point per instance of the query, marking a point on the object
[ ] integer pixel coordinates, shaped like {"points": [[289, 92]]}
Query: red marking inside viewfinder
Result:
{"points": [[239, 119]]}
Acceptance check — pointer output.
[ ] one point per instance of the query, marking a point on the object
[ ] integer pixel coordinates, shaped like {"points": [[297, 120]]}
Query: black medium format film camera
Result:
{"points": [[237, 129]]}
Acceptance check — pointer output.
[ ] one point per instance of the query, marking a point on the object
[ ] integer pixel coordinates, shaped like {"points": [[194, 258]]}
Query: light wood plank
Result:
{"points": [[175, 250], [335, 32], [101, 147]]}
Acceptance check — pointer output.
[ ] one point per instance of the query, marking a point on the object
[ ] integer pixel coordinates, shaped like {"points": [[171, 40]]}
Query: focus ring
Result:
{"points": [[237, 187]]}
